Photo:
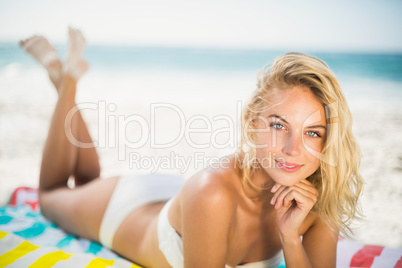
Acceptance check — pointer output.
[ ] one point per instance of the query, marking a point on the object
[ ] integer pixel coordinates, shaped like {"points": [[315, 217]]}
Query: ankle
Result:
{"points": [[71, 71], [69, 79], [67, 86]]}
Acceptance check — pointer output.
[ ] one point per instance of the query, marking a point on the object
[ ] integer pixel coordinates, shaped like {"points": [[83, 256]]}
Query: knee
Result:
{"points": [[81, 179], [49, 183], [44, 197], [52, 203]]}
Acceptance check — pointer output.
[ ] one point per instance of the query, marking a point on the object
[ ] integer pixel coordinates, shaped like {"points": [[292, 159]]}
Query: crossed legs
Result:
{"points": [[61, 159], [78, 210]]}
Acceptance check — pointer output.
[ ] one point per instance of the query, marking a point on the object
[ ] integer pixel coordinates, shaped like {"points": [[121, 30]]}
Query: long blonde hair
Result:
{"points": [[337, 178]]}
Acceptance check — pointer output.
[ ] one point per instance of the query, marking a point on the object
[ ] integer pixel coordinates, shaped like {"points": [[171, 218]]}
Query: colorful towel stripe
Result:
{"points": [[354, 254], [26, 254], [27, 239], [11, 256]]}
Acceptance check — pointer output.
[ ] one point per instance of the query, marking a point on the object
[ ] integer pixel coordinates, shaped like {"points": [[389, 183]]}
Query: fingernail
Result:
{"points": [[276, 205], [272, 200], [273, 188]]}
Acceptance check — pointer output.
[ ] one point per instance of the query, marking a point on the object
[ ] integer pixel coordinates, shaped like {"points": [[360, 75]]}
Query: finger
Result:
{"points": [[306, 183], [305, 188], [275, 187], [303, 201], [277, 193], [311, 193], [279, 198]]}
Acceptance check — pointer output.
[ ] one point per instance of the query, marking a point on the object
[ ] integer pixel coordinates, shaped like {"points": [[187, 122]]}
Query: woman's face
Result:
{"points": [[290, 135]]}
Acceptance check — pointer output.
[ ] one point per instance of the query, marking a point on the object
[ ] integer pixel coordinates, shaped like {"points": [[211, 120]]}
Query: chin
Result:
{"points": [[287, 180]]}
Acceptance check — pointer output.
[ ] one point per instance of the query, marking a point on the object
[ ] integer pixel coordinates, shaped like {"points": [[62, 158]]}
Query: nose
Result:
{"points": [[293, 143]]}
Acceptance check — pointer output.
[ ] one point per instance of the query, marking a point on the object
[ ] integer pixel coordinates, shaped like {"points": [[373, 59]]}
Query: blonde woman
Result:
{"points": [[295, 175]]}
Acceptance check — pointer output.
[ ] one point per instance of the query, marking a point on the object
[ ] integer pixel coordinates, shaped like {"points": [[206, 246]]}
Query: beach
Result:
{"points": [[148, 112]]}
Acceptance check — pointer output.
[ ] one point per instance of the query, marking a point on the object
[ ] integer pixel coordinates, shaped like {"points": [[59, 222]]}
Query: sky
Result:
{"points": [[343, 25]]}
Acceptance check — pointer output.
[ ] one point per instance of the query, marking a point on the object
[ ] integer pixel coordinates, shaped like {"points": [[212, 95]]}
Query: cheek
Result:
{"points": [[315, 163], [314, 144], [272, 145], [263, 140], [314, 147], [313, 160]]}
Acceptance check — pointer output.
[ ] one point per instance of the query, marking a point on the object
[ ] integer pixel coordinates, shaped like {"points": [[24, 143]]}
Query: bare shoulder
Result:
{"points": [[208, 203], [215, 183], [211, 184], [208, 192]]}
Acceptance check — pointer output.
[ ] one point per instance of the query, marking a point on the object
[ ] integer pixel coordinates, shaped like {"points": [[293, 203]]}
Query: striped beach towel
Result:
{"points": [[27, 239]]}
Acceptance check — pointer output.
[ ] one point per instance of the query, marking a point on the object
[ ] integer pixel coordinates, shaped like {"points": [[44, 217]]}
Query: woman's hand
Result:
{"points": [[292, 205]]}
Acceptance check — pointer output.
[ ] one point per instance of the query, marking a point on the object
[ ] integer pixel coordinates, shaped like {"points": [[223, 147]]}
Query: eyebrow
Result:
{"points": [[317, 126], [279, 117], [283, 119]]}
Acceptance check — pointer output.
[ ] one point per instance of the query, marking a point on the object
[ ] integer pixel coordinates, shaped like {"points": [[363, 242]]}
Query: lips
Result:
{"points": [[287, 167]]}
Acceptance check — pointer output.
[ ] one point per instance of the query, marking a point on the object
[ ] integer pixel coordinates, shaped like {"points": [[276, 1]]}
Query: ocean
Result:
{"points": [[143, 103], [210, 61]]}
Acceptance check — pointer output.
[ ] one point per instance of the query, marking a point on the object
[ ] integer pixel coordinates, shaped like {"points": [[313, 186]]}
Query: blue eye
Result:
{"points": [[277, 126], [313, 134]]}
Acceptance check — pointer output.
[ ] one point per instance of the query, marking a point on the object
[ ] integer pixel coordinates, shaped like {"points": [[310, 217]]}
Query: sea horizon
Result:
{"points": [[365, 64]]}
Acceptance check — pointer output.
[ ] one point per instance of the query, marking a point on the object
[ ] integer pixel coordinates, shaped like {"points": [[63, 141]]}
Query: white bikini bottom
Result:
{"points": [[132, 192]]}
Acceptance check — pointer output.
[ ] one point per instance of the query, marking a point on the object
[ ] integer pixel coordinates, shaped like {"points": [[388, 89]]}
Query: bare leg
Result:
{"points": [[86, 161], [78, 210], [60, 157]]}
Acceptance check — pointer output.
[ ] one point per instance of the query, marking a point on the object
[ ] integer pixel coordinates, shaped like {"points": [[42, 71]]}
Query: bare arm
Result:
{"points": [[207, 212], [293, 204], [320, 244], [318, 248]]}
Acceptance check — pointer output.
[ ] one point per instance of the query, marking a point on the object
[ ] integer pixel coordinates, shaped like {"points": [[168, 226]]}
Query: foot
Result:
{"points": [[45, 54], [75, 65]]}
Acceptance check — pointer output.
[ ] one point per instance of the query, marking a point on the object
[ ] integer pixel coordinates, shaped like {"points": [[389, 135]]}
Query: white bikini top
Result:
{"points": [[171, 245]]}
